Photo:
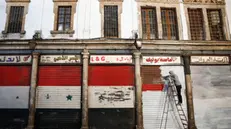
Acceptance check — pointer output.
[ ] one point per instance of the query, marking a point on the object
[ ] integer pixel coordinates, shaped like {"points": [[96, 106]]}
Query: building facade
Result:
{"points": [[71, 64]]}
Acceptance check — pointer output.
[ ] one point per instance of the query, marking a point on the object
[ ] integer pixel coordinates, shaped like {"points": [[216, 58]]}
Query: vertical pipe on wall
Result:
{"points": [[139, 113], [33, 85], [189, 94], [85, 54]]}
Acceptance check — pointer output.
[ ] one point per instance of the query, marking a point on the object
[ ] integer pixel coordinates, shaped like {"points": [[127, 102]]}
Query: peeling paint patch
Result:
{"points": [[111, 96]]}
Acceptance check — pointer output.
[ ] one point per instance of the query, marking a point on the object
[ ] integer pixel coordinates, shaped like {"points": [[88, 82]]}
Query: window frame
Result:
{"points": [[64, 18], [9, 4], [203, 25], [222, 24], [168, 24], [11, 28], [204, 7], [158, 5], [111, 2], [155, 23], [57, 3], [106, 34]]}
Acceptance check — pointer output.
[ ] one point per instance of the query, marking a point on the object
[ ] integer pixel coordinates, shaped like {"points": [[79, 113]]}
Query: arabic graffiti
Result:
{"points": [[16, 59], [111, 59], [160, 60], [209, 59], [60, 59], [115, 95]]}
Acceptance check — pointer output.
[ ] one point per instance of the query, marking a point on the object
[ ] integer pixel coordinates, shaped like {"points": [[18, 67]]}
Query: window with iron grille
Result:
{"points": [[15, 19], [111, 21], [64, 18], [196, 24], [215, 24], [149, 23], [169, 23]]}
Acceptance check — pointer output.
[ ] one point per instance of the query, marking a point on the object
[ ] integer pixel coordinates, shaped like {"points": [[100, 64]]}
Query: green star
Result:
{"points": [[69, 97]]}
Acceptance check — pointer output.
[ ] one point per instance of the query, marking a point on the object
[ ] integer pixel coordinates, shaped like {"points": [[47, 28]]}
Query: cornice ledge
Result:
{"points": [[7, 1], [205, 2], [160, 1], [110, 0], [65, 0]]}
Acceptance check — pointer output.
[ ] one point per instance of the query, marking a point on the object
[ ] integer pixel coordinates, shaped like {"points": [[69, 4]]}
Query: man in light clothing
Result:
{"points": [[177, 83]]}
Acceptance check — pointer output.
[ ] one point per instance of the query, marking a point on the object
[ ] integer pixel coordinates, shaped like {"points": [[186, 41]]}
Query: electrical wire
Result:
{"points": [[89, 24], [41, 22], [132, 14], [85, 14], [77, 19]]}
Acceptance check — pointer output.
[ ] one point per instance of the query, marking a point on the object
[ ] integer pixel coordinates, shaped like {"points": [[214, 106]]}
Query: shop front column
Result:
{"points": [[138, 92], [33, 84], [85, 54], [189, 94]]}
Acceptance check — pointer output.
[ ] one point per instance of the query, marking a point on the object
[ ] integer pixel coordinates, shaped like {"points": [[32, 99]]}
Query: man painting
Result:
{"points": [[177, 83]]}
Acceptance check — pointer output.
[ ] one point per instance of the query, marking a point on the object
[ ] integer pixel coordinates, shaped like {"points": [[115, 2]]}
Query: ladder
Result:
{"points": [[165, 110], [179, 108]]}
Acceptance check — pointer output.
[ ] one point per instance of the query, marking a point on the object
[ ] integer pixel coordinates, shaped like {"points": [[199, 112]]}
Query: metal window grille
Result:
{"points": [[149, 23], [111, 21], [215, 24], [64, 18], [169, 23], [15, 19], [196, 24]]}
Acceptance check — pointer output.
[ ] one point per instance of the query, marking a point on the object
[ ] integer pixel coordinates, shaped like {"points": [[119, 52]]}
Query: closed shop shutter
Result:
{"points": [[152, 86], [212, 96], [58, 97], [111, 97], [14, 96]]}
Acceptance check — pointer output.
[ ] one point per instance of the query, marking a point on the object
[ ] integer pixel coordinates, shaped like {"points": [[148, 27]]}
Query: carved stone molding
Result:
{"points": [[17, 1], [25, 4], [110, 0], [65, 0], [160, 1], [219, 2]]}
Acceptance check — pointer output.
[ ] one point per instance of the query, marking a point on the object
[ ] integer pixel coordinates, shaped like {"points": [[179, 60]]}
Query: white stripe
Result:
{"points": [[111, 96], [58, 97], [153, 110], [14, 97]]}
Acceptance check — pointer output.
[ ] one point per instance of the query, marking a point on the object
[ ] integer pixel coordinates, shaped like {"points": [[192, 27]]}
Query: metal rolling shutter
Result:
{"points": [[14, 96], [59, 76], [152, 85], [111, 97], [211, 95], [151, 78], [111, 75], [15, 75], [58, 97]]}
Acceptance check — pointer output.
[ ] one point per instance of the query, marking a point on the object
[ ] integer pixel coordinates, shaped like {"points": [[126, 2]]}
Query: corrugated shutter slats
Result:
{"points": [[59, 76], [15, 75], [111, 75]]}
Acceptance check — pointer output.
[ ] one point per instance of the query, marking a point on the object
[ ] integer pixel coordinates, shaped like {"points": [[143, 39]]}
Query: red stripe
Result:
{"points": [[111, 75], [59, 76], [15, 75], [152, 87]]}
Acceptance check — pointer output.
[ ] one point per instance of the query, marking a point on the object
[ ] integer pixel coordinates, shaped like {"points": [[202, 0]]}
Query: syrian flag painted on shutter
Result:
{"points": [[14, 87]]}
